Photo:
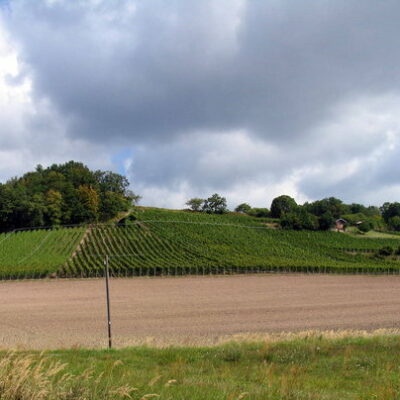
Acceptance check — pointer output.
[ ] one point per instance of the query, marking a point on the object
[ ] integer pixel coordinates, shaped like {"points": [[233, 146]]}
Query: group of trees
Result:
{"points": [[245, 208], [391, 215], [71, 193], [68, 193], [215, 204], [321, 214], [316, 215]]}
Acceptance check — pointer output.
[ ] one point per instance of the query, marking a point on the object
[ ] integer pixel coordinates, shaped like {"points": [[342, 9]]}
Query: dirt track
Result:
{"points": [[51, 314]]}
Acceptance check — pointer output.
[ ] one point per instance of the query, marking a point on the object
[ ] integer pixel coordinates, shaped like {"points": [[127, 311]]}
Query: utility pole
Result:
{"points": [[106, 260]]}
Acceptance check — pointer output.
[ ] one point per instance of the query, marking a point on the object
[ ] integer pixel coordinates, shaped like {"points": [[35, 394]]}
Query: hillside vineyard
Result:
{"points": [[161, 242]]}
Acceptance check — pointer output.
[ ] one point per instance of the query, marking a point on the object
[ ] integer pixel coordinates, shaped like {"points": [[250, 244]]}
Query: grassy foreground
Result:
{"points": [[316, 368]]}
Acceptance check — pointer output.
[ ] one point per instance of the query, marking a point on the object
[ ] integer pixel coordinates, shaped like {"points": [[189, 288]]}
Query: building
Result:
{"points": [[340, 225]]}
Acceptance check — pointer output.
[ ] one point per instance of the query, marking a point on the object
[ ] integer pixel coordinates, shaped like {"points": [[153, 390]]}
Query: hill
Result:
{"points": [[167, 242]]}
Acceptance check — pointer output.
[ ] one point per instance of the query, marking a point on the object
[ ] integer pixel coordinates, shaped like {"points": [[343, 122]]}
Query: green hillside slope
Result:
{"points": [[166, 242]]}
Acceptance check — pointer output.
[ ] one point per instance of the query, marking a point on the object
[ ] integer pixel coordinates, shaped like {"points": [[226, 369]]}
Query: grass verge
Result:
{"points": [[302, 368]]}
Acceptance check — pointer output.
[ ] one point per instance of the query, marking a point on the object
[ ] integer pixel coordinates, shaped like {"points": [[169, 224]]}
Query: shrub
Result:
{"points": [[365, 226], [129, 220], [394, 223], [299, 220], [385, 251], [259, 212], [243, 208], [291, 221]]}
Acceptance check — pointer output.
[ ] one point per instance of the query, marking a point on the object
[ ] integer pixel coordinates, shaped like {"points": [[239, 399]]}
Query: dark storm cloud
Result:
{"points": [[274, 68], [213, 94]]}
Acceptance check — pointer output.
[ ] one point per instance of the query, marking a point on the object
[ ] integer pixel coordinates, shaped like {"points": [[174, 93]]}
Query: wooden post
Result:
{"points": [[106, 260]]}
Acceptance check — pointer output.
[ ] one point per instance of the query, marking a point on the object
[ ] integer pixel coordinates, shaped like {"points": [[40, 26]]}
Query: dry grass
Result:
{"points": [[35, 377], [305, 366], [211, 341]]}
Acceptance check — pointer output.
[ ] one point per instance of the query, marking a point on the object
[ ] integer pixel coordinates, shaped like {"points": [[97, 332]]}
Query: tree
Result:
{"points": [[369, 211], [54, 202], [325, 221], [195, 204], [112, 203], [309, 221], [394, 223], [356, 208], [299, 219], [111, 182], [282, 205], [7, 207], [32, 211], [243, 208], [90, 202], [390, 210], [372, 211], [291, 220], [132, 197], [215, 204], [330, 204]]}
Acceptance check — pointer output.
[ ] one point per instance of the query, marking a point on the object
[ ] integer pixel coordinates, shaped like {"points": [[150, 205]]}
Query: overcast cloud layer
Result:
{"points": [[250, 99]]}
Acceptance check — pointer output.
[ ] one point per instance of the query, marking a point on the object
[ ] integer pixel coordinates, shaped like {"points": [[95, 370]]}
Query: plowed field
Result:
{"points": [[185, 310]]}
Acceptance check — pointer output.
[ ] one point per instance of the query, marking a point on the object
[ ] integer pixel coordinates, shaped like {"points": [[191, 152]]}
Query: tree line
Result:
{"points": [[71, 193], [317, 215], [63, 194]]}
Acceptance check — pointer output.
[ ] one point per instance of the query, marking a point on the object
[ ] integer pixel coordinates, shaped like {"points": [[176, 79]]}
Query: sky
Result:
{"points": [[247, 98]]}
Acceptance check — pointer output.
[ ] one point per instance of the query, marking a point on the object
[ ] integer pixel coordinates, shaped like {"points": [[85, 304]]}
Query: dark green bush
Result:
{"points": [[385, 251], [299, 220], [365, 226], [259, 212]]}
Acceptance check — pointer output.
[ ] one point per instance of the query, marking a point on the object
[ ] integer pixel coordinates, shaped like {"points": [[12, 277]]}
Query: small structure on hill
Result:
{"points": [[340, 225]]}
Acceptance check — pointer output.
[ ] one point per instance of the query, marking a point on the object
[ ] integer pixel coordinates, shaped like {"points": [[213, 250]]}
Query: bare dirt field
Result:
{"points": [[65, 313]]}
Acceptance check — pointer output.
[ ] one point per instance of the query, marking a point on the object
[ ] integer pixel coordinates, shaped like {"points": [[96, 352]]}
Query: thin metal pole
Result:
{"points": [[108, 303]]}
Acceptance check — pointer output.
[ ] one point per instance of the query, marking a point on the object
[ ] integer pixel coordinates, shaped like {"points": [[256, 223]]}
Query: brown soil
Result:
{"points": [[65, 313]]}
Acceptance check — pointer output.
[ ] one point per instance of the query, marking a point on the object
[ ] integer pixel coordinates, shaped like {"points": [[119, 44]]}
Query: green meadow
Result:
{"points": [[314, 368]]}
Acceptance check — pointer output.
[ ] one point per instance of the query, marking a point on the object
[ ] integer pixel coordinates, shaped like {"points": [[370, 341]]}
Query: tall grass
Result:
{"points": [[351, 368], [29, 377]]}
